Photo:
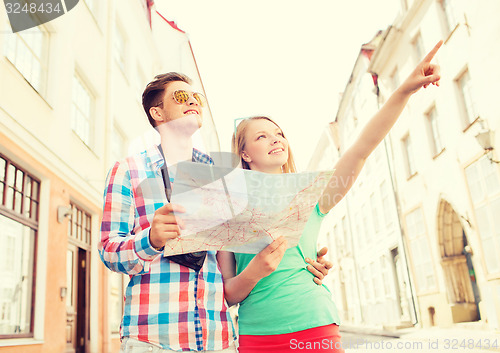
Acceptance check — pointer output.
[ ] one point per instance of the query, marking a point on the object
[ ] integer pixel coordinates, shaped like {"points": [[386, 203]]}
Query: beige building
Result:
{"points": [[445, 188], [370, 279], [70, 105]]}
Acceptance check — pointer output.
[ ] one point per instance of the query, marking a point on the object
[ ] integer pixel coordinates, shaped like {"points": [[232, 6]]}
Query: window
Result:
{"points": [[375, 280], [336, 242], [119, 48], [364, 216], [118, 144], [19, 201], [374, 207], [140, 83], [420, 250], [79, 225], [464, 85], [451, 18], [351, 122], [347, 239], [394, 79], [484, 186], [386, 279], [368, 166], [26, 50], [408, 155], [418, 49], [384, 195], [81, 118], [366, 283], [432, 127], [355, 101], [330, 242], [359, 231], [377, 154]]}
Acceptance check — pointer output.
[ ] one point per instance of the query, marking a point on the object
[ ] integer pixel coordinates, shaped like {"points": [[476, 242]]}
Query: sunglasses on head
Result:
{"points": [[237, 121]]}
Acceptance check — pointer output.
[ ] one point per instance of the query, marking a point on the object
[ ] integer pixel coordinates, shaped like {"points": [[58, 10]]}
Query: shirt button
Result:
{"points": [[150, 349]]}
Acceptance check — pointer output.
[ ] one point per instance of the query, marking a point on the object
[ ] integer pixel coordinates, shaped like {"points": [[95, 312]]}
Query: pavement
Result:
{"points": [[459, 338]]}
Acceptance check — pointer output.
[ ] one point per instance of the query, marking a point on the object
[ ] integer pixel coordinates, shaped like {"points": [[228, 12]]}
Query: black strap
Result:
{"points": [[165, 176], [192, 260]]}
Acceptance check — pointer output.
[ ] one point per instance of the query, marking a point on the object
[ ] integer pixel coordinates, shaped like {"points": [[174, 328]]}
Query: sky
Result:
{"points": [[289, 60]]}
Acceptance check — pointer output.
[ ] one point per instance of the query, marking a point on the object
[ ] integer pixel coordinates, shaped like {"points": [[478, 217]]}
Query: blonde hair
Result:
{"points": [[238, 143]]}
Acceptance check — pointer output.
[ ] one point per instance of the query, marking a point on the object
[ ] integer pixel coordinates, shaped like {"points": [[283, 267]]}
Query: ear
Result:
{"points": [[246, 157], [156, 114]]}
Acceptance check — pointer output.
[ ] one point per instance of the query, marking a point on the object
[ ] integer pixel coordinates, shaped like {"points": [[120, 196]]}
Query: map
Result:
{"points": [[241, 210]]}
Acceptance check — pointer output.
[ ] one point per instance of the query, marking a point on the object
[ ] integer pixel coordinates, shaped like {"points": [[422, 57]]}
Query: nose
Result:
{"points": [[276, 139], [192, 100]]}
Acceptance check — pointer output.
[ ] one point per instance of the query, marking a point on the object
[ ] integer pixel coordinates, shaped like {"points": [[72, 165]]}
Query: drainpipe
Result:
{"points": [[398, 210], [337, 143]]}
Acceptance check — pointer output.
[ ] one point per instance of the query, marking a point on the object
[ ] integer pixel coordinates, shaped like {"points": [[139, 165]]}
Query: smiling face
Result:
{"points": [[265, 148], [170, 110]]}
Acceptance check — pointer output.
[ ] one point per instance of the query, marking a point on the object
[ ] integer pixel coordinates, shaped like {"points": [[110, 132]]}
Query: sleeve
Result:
{"points": [[120, 248], [318, 211]]}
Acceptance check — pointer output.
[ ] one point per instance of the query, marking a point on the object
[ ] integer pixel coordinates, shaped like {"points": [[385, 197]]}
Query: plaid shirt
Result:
{"points": [[165, 303]]}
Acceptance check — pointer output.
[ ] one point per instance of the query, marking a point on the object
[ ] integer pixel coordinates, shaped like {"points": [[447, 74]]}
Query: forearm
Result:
{"points": [[381, 123], [121, 248], [350, 164], [423, 75], [237, 288], [129, 254]]}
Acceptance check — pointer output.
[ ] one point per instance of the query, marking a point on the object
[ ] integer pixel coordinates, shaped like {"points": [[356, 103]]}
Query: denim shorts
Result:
{"points": [[130, 345]]}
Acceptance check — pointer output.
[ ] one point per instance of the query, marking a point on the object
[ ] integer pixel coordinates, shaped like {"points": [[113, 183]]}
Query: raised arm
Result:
{"points": [[350, 164]]}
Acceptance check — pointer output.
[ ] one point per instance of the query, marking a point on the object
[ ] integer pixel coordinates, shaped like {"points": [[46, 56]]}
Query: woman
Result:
{"points": [[281, 308]]}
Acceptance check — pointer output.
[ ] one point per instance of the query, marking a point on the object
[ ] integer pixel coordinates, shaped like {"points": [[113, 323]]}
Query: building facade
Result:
{"points": [[370, 279], [442, 169], [70, 105]]}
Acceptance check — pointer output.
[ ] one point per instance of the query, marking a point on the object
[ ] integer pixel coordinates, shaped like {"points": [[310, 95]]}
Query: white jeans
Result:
{"points": [[130, 345]]}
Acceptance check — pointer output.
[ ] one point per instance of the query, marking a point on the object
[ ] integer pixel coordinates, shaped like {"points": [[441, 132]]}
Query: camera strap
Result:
{"points": [[192, 260]]}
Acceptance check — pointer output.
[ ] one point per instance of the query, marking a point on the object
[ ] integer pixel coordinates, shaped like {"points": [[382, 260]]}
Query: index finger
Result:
{"points": [[282, 240], [433, 52], [169, 208], [275, 244]]}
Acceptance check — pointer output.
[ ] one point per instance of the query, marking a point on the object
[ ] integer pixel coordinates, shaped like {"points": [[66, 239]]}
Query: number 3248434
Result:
{"points": [[33, 8]]}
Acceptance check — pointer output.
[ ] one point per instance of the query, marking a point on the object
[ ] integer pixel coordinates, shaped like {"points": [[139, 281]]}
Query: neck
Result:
{"points": [[276, 170], [175, 148]]}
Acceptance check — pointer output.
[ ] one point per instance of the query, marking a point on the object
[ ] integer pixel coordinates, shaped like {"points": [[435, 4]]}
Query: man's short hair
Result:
{"points": [[154, 91]]}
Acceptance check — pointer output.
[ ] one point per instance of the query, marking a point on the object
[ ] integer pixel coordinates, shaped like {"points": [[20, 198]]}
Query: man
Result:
{"points": [[169, 306]]}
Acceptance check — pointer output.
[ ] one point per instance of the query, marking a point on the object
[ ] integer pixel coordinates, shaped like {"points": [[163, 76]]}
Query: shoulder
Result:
{"points": [[129, 165]]}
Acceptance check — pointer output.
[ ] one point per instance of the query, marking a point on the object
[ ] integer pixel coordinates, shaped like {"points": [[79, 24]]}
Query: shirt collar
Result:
{"points": [[155, 160]]}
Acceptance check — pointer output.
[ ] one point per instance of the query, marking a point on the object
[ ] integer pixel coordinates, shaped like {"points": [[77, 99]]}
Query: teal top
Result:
{"points": [[288, 300]]}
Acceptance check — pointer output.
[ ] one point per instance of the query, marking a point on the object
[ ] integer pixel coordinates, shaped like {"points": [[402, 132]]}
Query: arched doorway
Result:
{"points": [[456, 259]]}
